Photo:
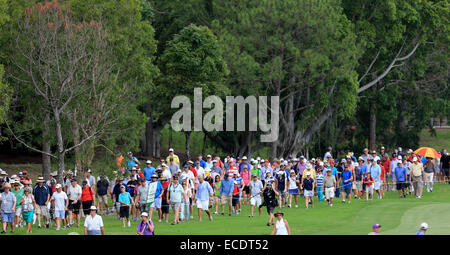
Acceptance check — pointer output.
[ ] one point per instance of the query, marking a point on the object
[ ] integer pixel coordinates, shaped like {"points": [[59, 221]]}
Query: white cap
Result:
{"points": [[164, 165], [134, 168], [313, 159], [13, 176], [258, 158], [144, 214], [410, 151], [179, 170], [170, 150], [399, 158], [244, 157], [399, 148], [58, 186], [321, 163], [308, 173], [280, 172], [93, 208], [262, 161], [376, 158], [214, 161], [281, 159], [89, 171], [424, 225], [414, 159], [292, 171], [209, 156]]}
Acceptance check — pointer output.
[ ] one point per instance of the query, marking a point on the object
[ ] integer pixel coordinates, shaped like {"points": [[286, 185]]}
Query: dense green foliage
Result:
{"points": [[334, 65]]}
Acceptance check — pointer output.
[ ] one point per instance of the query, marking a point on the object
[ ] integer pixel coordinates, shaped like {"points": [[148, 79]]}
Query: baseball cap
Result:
{"points": [[292, 171], [24, 172], [254, 175], [154, 176], [308, 173], [258, 158], [208, 156], [382, 147], [245, 166], [170, 150], [376, 225], [399, 158], [214, 161], [321, 163], [244, 157], [144, 214], [164, 165], [414, 159], [262, 161], [365, 149], [148, 162], [58, 186], [343, 161], [89, 171], [424, 225], [93, 208]]}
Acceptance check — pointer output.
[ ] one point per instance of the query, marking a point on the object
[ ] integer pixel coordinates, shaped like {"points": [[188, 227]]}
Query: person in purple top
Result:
{"points": [[145, 227], [301, 166]]}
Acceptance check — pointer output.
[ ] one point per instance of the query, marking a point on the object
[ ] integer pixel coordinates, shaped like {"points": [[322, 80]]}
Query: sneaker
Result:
{"points": [[47, 226], [349, 202], [191, 217], [215, 212], [222, 214], [39, 226], [367, 200], [296, 206], [64, 228], [159, 220], [343, 201], [211, 218], [129, 224], [167, 221], [3, 232], [57, 228], [268, 224], [229, 214], [289, 205]]}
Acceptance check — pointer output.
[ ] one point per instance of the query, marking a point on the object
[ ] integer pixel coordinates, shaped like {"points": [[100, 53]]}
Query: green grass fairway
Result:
{"points": [[397, 217]]}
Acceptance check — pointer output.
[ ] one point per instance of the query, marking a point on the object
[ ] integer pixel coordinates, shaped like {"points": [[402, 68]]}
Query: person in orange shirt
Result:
{"points": [[119, 162]]}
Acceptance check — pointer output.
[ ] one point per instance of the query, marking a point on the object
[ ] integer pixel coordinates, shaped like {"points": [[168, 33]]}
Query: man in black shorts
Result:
{"points": [[270, 200]]}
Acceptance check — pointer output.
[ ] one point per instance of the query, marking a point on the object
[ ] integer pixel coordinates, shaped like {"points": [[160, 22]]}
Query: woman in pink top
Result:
{"points": [[246, 177]]}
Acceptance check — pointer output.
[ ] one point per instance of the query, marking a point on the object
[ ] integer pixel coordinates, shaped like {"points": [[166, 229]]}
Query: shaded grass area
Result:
{"points": [[396, 215], [438, 142]]}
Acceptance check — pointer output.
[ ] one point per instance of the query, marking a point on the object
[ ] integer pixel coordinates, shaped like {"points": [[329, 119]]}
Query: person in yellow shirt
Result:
{"points": [[417, 176], [311, 170], [176, 160]]}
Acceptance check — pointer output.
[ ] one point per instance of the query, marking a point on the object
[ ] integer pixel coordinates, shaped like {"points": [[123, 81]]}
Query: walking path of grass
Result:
{"points": [[396, 215]]}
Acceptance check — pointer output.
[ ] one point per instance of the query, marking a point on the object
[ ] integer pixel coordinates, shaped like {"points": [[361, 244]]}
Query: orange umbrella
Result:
{"points": [[427, 152]]}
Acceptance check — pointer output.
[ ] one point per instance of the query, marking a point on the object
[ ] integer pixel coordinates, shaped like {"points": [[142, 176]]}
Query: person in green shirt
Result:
{"points": [[18, 192], [216, 188], [255, 170]]}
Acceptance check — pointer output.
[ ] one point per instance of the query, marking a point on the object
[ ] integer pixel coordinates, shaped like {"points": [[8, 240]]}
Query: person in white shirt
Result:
{"points": [[166, 172], [59, 205], [281, 227], [74, 193], [93, 225], [90, 179]]}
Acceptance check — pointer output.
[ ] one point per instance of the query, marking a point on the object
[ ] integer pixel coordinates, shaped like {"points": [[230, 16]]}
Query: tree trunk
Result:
{"points": [[157, 138], [46, 161], [188, 141], [76, 140], [60, 145], [149, 149], [373, 122]]}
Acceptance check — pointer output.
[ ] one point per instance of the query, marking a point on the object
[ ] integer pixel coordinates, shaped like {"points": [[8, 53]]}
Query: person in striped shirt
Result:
{"points": [[319, 177]]}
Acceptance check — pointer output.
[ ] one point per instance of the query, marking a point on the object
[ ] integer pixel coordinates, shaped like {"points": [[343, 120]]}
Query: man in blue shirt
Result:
{"points": [[264, 170], [204, 192], [132, 161], [347, 180], [202, 162], [423, 229], [226, 193], [243, 163], [399, 177], [42, 194], [149, 171]]}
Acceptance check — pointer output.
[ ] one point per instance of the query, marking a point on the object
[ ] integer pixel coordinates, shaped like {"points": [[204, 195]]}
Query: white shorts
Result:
{"points": [[329, 193], [203, 204], [377, 185], [255, 201], [18, 211], [369, 189]]}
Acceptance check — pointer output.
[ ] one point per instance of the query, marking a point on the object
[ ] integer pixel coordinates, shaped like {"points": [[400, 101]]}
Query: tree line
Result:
{"points": [[80, 75]]}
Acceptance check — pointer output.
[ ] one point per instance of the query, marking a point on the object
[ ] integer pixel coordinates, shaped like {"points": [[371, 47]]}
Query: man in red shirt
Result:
{"points": [[232, 168], [386, 163]]}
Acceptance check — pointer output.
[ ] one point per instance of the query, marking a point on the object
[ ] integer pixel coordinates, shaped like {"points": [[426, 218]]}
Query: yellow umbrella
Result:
{"points": [[427, 152]]}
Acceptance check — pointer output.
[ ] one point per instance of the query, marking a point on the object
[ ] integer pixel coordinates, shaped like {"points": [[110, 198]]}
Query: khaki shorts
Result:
{"points": [[357, 185], [42, 210], [329, 193], [175, 205], [103, 199], [18, 212], [226, 200]]}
